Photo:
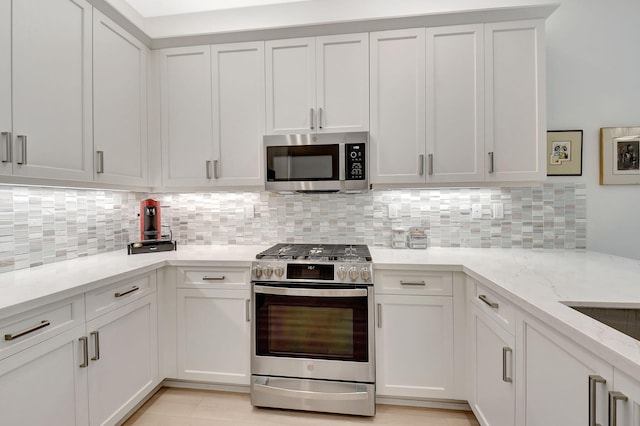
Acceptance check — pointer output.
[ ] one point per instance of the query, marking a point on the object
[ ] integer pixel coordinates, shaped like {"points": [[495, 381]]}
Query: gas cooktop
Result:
{"points": [[318, 252]]}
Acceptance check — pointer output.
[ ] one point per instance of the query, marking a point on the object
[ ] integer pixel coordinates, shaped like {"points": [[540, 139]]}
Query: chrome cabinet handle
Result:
{"points": [[491, 162], [247, 310], [430, 164], [614, 397], [207, 165], [311, 118], [96, 345], [507, 378], [412, 282], [7, 148], [43, 324], [320, 118], [593, 380], [494, 305], [421, 161], [206, 278], [379, 315], [85, 348], [134, 288], [215, 169], [100, 161], [23, 149]]}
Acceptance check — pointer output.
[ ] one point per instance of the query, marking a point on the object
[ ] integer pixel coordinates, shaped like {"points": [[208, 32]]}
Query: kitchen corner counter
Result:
{"points": [[536, 281]]}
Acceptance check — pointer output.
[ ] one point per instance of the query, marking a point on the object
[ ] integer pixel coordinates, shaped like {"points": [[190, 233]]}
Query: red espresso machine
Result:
{"points": [[151, 238]]}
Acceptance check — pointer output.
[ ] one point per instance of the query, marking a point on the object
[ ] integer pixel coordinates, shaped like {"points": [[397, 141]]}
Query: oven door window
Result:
{"points": [[303, 163], [330, 328]]}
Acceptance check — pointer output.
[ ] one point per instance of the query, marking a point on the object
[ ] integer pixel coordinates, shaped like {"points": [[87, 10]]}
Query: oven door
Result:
{"points": [[313, 332]]}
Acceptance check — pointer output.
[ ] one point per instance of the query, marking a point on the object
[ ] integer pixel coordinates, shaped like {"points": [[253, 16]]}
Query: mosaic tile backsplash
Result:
{"points": [[45, 225]]}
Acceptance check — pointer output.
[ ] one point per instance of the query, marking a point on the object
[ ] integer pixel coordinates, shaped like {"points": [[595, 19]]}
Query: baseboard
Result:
{"points": [[188, 384], [442, 404]]}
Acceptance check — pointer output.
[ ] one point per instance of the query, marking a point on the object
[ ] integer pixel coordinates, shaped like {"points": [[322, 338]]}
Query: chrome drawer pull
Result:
{"points": [[247, 310], [412, 282], [100, 161], [220, 278], [494, 305], [134, 288], [43, 324], [507, 350], [96, 347], [7, 148], [593, 380], [379, 315]]}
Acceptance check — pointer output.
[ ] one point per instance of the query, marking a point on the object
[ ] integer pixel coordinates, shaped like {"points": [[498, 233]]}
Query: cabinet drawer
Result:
{"points": [[108, 298], [223, 277], [496, 307], [21, 331], [393, 281]]}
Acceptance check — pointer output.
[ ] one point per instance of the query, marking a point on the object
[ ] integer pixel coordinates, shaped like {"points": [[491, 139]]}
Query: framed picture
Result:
{"points": [[620, 155], [564, 153]]}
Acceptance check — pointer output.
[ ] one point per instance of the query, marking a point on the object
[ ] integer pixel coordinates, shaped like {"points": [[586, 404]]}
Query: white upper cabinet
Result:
{"points": [[185, 98], [119, 104], [515, 101], [317, 84], [52, 88], [398, 106], [238, 113], [6, 164], [455, 98]]}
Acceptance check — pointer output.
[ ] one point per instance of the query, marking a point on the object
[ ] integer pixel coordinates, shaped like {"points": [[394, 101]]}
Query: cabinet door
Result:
{"points": [[6, 164], [492, 397], [515, 101], [414, 346], [44, 384], [291, 90], [398, 106], [123, 366], [238, 113], [214, 335], [455, 104], [185, 109], [342, 71], [555, 384], [628, 412], [119, 104], [52, 89]]}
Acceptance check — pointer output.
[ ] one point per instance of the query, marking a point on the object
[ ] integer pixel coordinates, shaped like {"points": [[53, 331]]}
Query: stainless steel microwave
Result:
{"points": [[327, 162]]}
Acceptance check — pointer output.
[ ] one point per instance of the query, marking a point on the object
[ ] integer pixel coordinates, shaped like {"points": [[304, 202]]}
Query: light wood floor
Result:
{"points": [[187, 407]]}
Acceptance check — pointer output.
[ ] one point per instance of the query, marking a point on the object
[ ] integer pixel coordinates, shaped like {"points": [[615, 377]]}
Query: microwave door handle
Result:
{"points": [[342, 161]]}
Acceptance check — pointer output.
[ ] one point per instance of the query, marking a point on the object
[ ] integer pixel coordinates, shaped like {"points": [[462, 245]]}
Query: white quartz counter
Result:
{"points": [[536, 281]]}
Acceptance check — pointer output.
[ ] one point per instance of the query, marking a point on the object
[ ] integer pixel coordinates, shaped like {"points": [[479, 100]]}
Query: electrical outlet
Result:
{"points": [[476, 211], [497, 211], [393, 211]]}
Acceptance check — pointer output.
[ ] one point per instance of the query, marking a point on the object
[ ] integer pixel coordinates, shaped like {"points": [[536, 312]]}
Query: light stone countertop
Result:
{"points": [[535, 281]]}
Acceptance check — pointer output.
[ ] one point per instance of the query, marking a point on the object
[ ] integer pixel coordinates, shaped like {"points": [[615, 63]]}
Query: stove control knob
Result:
{"points": [[353, 273], [365, 273], [267, 271], [342, 273], [257, 271], [279, 271]]}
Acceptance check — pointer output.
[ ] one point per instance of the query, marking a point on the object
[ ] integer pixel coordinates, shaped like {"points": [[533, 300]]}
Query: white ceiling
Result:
{"points": [[152, 8]]}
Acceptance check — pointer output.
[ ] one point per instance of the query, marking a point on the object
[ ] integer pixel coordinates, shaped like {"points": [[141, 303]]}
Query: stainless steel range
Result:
{"points": [[313, 331]]}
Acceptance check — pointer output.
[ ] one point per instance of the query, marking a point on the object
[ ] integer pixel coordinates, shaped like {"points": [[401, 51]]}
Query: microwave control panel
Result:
{"points": [[355, 155]]}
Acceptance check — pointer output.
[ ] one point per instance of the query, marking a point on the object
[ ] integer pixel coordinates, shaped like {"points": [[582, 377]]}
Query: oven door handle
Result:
{"points": [[359, 394], [317, 292]]}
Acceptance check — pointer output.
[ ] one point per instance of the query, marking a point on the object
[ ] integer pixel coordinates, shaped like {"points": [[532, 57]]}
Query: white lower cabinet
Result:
{"points": [[214, 332], [493, 392], [414, 334], [625, 401], [559, 379], [123, 359], [45, 384]]}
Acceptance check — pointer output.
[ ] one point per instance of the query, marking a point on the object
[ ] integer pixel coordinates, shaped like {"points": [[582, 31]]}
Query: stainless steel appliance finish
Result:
{"points": [[312, 343], [327, 162]]}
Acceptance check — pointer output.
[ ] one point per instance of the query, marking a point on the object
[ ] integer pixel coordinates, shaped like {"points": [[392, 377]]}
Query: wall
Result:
{"points": [[592, 82], [45, 225]]}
